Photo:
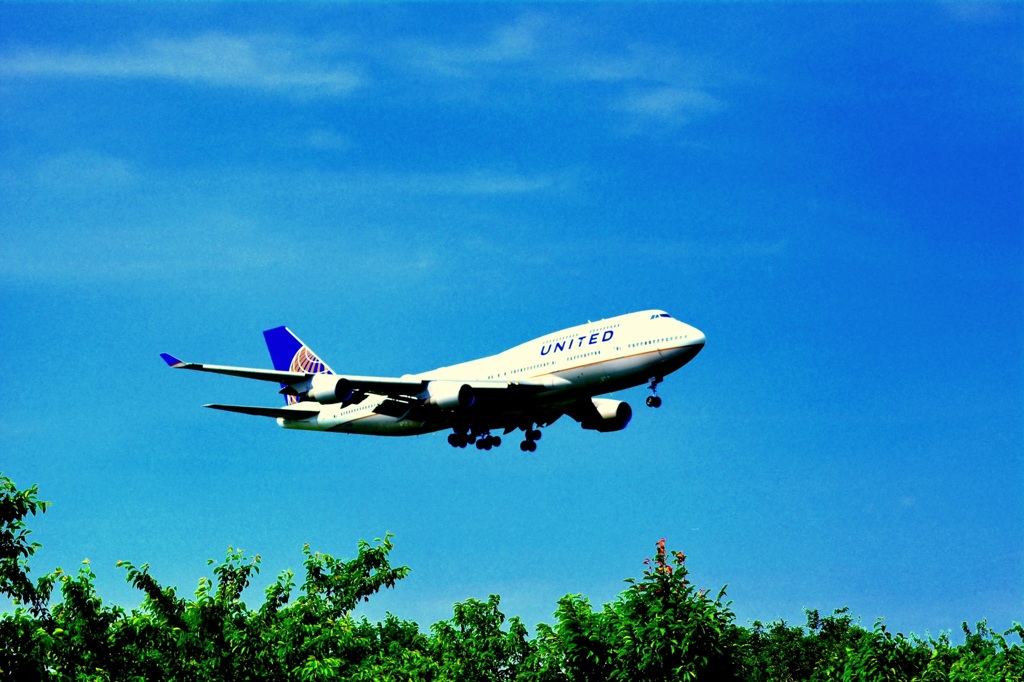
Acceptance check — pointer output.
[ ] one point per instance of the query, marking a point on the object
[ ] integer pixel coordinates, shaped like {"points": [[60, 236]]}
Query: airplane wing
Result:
{"points": [[275, 412], [245, 372], [362, 384], [403, 393], [378, 385]]}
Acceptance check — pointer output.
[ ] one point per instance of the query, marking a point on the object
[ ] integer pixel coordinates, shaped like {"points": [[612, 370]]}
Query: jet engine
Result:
{"points": [[450, 394], [607, 415], [328, 389]]}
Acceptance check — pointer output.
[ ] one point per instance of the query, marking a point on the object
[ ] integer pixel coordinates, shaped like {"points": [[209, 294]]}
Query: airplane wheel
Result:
{"points": [[524, 446], [453, 440], [496, 441], [534, 434], [532, 447]]}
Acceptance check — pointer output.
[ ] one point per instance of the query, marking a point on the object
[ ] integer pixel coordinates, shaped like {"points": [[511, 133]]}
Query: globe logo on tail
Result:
{"points": [[306, 360]]}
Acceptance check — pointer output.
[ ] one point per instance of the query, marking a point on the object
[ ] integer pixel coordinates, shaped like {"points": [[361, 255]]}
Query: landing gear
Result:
{"points": [[532, 436], [487, 442], [484, 441], [654, 400], [462, 436]]}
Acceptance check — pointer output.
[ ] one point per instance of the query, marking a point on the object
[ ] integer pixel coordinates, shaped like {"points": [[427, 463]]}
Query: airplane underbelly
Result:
{"points": [[371, 425], [383, 425]]}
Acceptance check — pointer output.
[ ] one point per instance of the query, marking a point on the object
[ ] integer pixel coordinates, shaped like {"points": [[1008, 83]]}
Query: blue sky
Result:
{"points": [[833, 193]]}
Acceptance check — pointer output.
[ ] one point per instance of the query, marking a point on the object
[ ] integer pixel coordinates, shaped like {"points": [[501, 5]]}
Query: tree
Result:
{"points": [[660, 627], [667, 629], [23, 641], [15, 549], [472, 646]]}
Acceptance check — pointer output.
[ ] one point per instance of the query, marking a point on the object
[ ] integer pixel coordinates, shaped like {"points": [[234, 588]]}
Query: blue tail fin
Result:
{"points": [[290, 354]]}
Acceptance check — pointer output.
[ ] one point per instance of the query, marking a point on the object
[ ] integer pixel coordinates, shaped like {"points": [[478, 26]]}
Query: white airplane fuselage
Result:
{"points": [[560, 370]]}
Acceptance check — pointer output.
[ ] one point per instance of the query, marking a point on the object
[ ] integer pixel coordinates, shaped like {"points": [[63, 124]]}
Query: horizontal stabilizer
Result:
{"points": [[275, 412]]}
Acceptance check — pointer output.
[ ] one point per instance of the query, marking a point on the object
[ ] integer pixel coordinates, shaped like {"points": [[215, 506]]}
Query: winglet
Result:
{"points": [[171, 360]]}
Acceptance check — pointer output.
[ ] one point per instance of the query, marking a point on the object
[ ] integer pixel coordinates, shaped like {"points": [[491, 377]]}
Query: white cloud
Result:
{"points": [[270, 64], [670, 105], [477, 183], [90, 252], [978, 12], [85, 171], [154, 236], [517, 43], [649, 84], [529, 54]]}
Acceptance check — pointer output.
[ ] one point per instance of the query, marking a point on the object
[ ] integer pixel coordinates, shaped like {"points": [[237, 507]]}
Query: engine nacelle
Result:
{"points": [[328, 389], [608, 415], [450, 394]]}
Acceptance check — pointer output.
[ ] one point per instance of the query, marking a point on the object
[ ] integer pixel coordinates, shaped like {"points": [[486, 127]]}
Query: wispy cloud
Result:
{"points": [[387, 185], [474, 183], [272, 64], [670, 105], [646, 83], [82, 170], [534, 50], [979, 12], [517, 43], [217, 235], [97, 253], [567, 254]]}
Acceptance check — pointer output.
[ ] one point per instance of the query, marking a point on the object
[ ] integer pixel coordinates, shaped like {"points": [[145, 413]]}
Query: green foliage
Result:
{"points": [[660, 627], [15, 549], [835, 648], [667, 629], [581, 645], [984, 655], [473, 647]]}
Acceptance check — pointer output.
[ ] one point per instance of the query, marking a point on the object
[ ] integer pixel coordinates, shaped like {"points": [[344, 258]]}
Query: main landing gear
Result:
{"points": [[654, 400], [483, 441], [532, 436]]}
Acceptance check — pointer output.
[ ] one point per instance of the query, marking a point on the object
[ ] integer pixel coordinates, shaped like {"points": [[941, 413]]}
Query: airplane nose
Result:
{"points": [[695, 338]]}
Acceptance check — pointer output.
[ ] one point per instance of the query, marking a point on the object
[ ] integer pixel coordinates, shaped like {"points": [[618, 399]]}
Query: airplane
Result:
{"points": [[526, 387]]}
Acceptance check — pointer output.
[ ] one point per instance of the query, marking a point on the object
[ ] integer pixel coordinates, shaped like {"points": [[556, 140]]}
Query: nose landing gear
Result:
{"points": [[654, 400]]}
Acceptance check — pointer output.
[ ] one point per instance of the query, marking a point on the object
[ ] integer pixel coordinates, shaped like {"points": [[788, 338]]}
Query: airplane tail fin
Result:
{"points": [[290, 354]]}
